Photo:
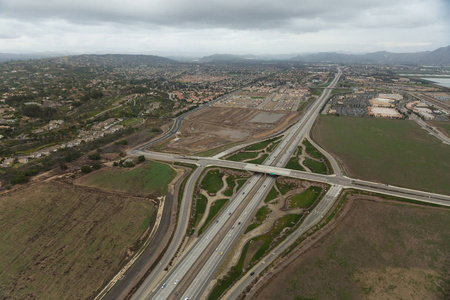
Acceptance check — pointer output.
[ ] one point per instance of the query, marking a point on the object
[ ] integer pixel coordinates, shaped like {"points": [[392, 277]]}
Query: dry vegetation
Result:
{"points": [[380, 250], [214, 127], [61, 241]]}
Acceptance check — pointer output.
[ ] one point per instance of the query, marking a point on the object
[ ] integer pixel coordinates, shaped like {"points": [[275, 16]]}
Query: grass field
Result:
{"points": [[375, 257], [149, 177], [65, 242], [212, 182], [307, 198], [398, 152]]}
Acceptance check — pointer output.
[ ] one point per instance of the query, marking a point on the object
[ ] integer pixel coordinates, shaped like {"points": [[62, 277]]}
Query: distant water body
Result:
{"points": [[439, 81]]}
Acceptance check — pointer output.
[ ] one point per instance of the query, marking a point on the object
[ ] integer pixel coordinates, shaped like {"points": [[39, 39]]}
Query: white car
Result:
{"points": [[176, 281]]}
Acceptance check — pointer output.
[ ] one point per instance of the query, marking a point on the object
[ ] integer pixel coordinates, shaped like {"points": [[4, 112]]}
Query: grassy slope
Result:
{"points": [[65, 242], [150, 177], [242, 156], [390, 151], [307, 198], [375, 257]]}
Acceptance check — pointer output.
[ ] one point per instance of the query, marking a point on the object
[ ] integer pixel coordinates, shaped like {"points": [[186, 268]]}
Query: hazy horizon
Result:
{"points": [[199, 28]]}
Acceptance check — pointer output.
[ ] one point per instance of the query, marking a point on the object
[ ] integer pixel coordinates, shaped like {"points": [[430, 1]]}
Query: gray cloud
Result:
{"points": [[252, 19]]}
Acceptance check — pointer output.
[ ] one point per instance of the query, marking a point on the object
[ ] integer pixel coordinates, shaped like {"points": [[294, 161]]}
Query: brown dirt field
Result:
{"points": [[443, 127], [61, 241], [379, 250], [214, 127]]}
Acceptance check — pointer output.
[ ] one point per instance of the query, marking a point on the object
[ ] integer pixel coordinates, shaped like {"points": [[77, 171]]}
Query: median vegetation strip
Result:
{"points": [[234, 273], [243, 156], [287, 221], [213, 211], [259, 160], [261, 145], [240, 183], [216, 194], [200, 207], [271, 195], [231, 183], [250, 153], [276, 222]]}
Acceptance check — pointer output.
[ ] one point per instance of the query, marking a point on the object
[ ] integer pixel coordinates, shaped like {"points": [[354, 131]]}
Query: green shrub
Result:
{"points": [[94, 156], [19, 178], [86, 169]]}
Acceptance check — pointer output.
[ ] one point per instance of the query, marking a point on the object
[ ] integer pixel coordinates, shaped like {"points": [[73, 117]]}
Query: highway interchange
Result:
{"points": [[196, 267]]}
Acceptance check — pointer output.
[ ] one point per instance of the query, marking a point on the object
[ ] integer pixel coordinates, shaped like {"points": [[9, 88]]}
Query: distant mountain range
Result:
{"points": [[439, 56], [25, 56]]}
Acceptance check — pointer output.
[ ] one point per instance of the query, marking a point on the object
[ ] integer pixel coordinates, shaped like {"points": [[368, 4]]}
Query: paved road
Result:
{"points": [[431, 129], [180, 231], [345, 181], [310, 221], [274, 164], [278, 157]]}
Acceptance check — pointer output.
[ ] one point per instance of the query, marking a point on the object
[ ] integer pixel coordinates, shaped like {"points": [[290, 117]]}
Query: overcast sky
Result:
{"points": [[204, 27]]}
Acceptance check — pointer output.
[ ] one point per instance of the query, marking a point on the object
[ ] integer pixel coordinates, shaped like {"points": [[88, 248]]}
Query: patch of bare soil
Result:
{"points": [[213, 127], [252, 248], [378, 249]]}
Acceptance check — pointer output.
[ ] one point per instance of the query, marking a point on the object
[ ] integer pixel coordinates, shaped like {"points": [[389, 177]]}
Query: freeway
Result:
{"points": [[180, 231], [431, 130], [345, 181], [279, 157], [310, 221], [185, 278]]}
